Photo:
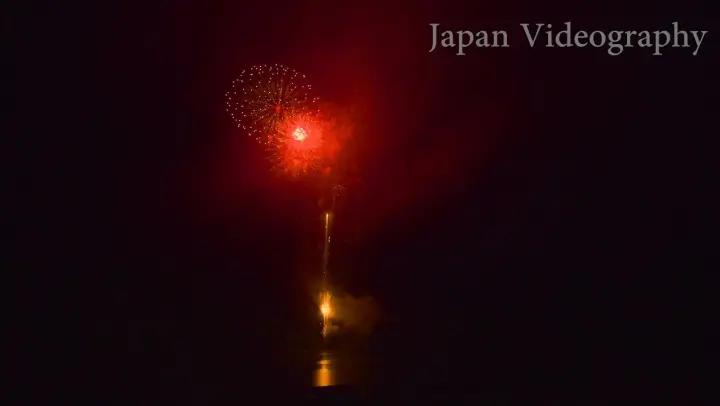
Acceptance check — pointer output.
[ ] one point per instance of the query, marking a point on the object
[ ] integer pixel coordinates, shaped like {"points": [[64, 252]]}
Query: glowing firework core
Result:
{"points": [[299, 134], [325, 309], [297, 143]]}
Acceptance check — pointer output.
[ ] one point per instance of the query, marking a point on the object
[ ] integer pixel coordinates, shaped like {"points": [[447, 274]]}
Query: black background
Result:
{"points": [[530, 220]]}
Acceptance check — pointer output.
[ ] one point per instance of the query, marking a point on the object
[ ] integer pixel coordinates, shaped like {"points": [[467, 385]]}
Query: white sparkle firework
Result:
{"points": [[262, 96]]}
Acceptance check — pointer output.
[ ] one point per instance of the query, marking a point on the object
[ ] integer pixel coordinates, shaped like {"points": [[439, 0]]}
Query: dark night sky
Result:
{"points": [[535, 211]]}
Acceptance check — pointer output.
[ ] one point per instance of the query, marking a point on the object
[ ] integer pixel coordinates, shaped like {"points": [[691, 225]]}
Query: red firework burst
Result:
{"points": [[297, 144]]}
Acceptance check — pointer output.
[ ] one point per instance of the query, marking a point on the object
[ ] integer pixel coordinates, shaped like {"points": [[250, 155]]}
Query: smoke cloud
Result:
{"points": [[355, 315]]}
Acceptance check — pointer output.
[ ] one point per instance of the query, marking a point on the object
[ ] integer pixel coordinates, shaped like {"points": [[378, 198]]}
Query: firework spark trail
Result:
{"points": [[326, 297], [326, 248], [328, 234]]}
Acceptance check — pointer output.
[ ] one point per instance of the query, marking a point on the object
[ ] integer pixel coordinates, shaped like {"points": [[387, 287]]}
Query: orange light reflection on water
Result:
{"points": [[324, 375]]}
